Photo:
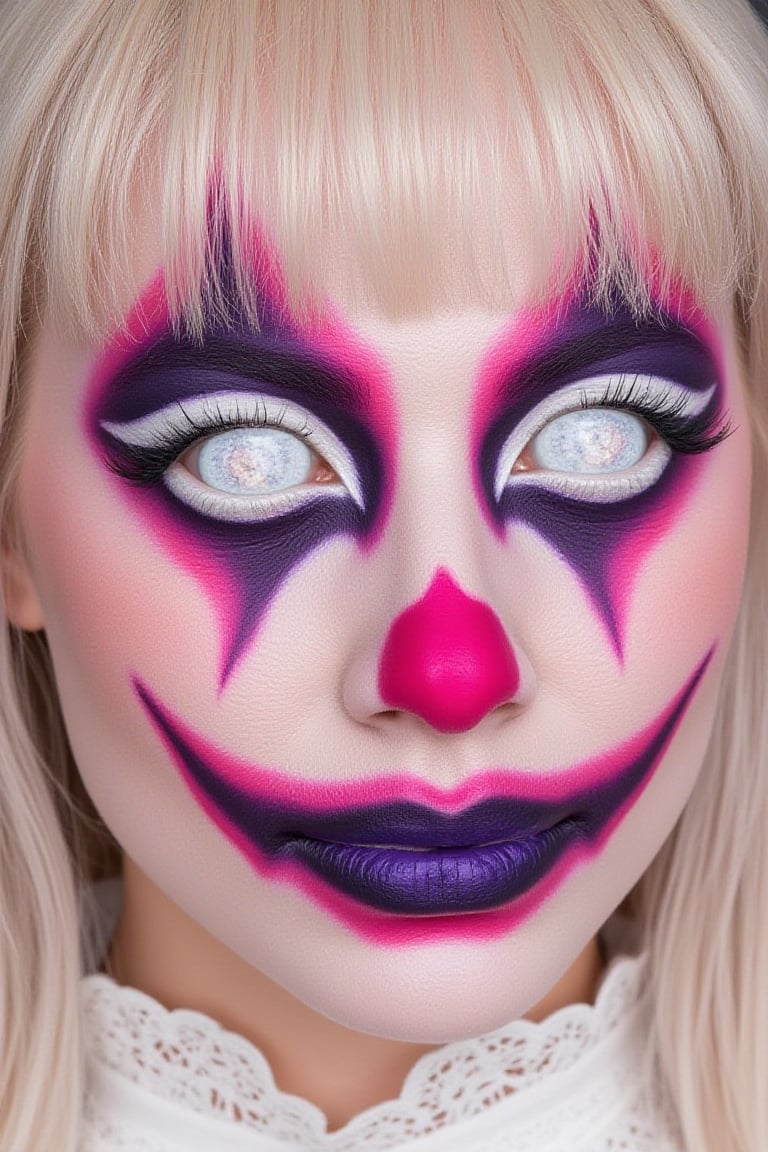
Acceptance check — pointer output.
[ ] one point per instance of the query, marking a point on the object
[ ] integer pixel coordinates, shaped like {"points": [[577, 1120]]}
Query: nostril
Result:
{"points": [[447, 659]]}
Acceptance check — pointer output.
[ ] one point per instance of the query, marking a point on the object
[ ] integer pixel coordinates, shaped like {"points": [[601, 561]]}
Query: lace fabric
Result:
{"points": [[562, 1076]]}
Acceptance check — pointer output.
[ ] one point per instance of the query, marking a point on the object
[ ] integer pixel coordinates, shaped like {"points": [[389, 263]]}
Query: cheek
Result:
{"points": [[241, 569], [607, 546], [686, 589], [111, 600], [121, 601]]}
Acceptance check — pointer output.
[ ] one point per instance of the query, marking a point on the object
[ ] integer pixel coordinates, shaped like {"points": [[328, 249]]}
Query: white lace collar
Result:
{"points": [[187, 1060]]}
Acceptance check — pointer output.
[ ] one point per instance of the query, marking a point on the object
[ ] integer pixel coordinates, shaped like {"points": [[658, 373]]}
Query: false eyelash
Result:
{"points": [[146, 464], [689, 434]]}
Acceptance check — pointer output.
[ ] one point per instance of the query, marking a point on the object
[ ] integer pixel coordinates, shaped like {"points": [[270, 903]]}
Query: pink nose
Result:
{"points": [[447, 659]]}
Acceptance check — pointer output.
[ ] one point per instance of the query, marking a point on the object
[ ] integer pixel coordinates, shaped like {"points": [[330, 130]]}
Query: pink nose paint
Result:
{"points": [[447, 659]]}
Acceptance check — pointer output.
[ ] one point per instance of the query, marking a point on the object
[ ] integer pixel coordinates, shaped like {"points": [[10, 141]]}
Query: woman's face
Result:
{"points": [[390, 650]]}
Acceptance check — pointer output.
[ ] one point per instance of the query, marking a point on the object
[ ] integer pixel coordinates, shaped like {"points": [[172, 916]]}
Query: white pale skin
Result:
{"points": [[304, 698]]}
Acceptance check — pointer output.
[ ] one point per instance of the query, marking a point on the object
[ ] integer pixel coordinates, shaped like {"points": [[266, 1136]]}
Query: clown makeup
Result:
{"points": [[595, 433], [389, 650], [252, 450]]}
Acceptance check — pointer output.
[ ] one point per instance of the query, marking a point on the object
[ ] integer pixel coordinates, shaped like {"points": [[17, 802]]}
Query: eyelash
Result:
{"points": [[146, 464], [685, 422], [689, 435]]}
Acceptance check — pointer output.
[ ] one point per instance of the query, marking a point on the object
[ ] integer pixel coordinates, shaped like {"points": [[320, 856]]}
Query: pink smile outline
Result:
{"points": [[267, 790]]}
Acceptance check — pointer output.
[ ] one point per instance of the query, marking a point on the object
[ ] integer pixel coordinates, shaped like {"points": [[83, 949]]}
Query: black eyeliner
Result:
{"points": [[145, 464], [690, 434]]}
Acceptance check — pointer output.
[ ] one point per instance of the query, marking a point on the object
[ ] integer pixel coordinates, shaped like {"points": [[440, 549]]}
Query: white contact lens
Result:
{"points": [[253, 461], [582, 449], [259, 468], [596, 441]]}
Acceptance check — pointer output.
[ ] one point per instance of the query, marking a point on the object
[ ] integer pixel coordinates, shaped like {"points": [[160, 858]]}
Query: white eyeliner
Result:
{"points": [[589, 393], [242, 409]]}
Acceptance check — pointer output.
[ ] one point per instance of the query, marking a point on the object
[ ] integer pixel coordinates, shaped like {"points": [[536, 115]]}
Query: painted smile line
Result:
{"points": [[401, 846]]}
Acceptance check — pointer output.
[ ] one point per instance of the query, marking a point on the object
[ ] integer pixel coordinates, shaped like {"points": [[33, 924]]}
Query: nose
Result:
{"points": [[447, 659]]}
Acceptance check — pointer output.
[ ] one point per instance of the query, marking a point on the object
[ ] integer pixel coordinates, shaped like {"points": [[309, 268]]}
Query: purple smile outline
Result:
{"points": [[536, 833]]}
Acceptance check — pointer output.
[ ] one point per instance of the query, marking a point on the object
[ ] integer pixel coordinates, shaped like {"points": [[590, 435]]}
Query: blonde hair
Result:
{"points": [[636, 127]]}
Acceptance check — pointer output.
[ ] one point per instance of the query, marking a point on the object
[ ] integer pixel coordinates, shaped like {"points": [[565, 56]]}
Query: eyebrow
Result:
{"points": [[587, 340], [174, 369]]}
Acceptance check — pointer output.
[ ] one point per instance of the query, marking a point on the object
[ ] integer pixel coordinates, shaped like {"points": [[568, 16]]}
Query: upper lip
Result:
{"points": [[409, 825]]}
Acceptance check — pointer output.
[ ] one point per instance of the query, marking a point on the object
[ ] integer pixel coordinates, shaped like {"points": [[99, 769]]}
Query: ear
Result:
{"points": [[22, 606]]}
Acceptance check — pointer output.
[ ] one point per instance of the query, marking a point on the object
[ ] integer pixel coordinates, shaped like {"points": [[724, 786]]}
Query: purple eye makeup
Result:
{"points": [[293, 431], [588, 430]]}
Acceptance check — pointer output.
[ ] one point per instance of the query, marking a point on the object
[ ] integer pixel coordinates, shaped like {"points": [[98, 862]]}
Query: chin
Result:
{"points": [[436, 994]]}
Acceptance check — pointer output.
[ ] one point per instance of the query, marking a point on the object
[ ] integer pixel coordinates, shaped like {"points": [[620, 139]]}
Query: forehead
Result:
{"points": [[493, 263], [535, 298]]}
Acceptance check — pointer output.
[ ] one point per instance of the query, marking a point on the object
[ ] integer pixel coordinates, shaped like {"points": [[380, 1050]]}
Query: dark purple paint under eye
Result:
{"points": [[592, 537], [242, 565]]}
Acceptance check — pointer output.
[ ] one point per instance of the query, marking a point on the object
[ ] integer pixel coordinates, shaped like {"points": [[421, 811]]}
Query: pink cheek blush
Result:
{"points": [[626, 561], [447, 659]]}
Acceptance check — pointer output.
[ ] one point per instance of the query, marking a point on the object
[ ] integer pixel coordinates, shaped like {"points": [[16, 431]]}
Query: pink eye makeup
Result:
{"points": [[245, 454], [591, 439]]}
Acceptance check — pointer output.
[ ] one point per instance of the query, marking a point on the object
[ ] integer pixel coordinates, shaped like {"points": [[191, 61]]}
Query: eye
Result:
{"points": [[255, 462], [237, 456], [605, 438], [590, 440]]}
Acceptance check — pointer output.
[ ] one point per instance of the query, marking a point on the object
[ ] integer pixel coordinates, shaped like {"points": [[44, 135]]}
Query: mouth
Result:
{"points": [[401, 846], [421, 881], [407, 858]]}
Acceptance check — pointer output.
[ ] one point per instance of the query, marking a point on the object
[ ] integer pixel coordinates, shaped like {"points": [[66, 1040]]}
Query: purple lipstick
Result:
{"points": [[439, 879]]}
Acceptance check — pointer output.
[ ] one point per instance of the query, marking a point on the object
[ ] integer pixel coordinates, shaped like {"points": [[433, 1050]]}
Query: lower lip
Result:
{"points": [[437, 881]]}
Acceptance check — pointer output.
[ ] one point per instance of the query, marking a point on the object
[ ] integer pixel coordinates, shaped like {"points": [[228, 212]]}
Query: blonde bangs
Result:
{"points": [[410, 130]]}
